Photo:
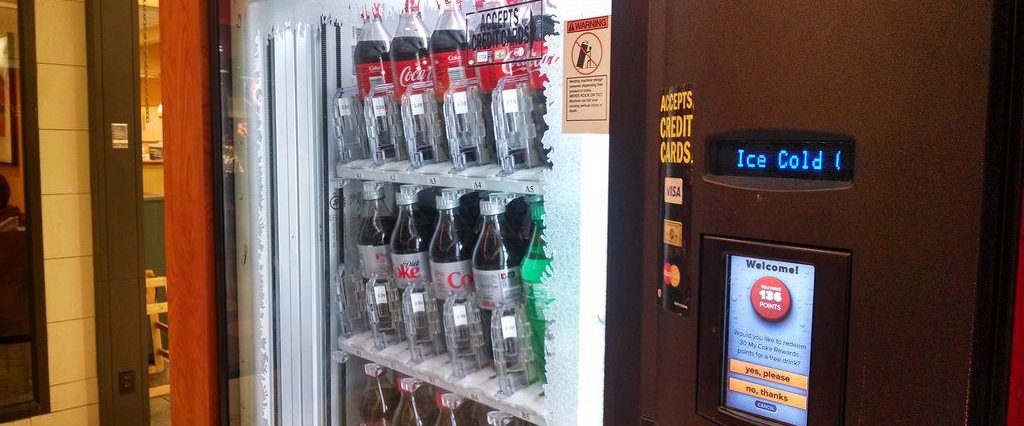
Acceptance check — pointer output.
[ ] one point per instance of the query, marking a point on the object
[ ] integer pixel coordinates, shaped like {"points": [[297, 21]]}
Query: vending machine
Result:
{"points": [[417, 207], [833, 210]]}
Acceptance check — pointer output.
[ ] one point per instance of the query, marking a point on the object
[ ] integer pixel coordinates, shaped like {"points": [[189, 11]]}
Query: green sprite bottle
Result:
{"points": [[535, 270]]}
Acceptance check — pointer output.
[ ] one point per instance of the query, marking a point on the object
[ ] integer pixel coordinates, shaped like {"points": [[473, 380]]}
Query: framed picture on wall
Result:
{"points": [[8, 101]]}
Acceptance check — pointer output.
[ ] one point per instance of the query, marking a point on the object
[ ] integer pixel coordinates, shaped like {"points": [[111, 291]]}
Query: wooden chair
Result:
{"points": [[161, 355]]}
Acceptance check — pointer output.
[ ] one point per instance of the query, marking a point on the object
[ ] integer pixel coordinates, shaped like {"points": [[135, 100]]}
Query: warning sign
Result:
{"points": [[587, 75]]}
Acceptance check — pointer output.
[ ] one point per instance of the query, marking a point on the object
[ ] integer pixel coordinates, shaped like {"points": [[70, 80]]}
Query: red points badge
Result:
{"points": [[770, 298]]}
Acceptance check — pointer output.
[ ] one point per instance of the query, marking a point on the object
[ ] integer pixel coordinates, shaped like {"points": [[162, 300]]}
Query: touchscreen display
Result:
{"points": [[768, 344]]}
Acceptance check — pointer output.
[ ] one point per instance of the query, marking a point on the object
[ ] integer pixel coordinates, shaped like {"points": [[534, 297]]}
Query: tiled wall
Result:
{"points": [[66, 211]]}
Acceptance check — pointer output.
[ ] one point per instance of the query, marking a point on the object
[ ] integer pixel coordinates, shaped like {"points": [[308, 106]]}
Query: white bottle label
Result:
{"points": [[380, 294], [459, 315], [447, 277], [496, 286], [378, 107], [375, 261], [416, 103], [344, 107], [411, 268], [461, 102], [510, 100], [417, 302], [508, 327]]}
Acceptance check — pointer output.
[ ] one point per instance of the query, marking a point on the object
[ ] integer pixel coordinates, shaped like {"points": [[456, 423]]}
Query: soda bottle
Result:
{"points": [[511, 341], [409, 241], [371, 57], [496, 257], [417, 407], [451, 247], [465, 334], [498, 418], [380, 398], [536, 269], [449, 48], [410, 54], [384, 309], [375, 232], [423, 324], [455, 411]]}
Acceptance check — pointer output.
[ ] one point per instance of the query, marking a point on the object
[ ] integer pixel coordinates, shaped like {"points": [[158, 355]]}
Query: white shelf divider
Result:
{"points": [[482, 386], [482, 178]]}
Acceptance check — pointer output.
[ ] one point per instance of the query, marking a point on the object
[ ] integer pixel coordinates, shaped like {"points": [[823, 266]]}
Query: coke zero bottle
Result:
{"points": [[380, 398], [372, 58], [451, 247], [375, 232], [410, 56], [417, 407], [410, 240], [496, 257], [449, 48]]}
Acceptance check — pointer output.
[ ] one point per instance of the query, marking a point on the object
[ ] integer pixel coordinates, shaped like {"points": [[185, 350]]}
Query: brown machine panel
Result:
{"points": [[907, 83]]}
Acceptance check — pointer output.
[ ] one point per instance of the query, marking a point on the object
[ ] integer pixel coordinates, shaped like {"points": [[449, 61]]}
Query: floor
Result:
{"points": [[160, 407]]}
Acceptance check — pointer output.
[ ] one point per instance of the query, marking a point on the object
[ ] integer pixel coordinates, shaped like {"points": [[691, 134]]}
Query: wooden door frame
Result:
{"points": [[189, 210]]}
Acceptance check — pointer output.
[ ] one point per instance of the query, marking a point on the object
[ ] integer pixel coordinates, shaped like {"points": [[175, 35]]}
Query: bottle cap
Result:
{"points": [[373, 190], [492, 207], [410, 384], [498, 418], [373, 369], [451, 401], [449, 198], [408, 194]]}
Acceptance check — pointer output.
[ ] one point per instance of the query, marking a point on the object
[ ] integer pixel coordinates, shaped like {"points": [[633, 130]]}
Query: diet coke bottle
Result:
{"points": [[449, 48], [451, 248], [372, 59], [496, 257], [375, 232], [410, 57], [409, 242]]}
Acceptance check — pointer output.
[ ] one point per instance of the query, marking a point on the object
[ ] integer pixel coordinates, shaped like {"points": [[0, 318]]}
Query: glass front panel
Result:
{"points": [[408, 236]]}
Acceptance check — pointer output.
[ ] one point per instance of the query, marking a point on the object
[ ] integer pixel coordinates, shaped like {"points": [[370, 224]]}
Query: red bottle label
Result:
{"points": [[410, 72], [371, 74], [449, 66]]}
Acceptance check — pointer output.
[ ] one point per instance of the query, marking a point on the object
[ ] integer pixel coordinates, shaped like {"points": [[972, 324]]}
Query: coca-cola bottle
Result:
{"points": [[384, 310], [512, 341], [410, 54], [372, 58], [410, 240], [417, 407], [496, 257], [456, 411], [375, 232], [449, 48], [451, 247], [380, 398], [465, 334], [498, 418], [424, 328]]}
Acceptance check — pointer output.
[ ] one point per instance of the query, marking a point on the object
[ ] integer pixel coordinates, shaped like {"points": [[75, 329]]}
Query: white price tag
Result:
{"points": [[417, 302], [508, 327], [459, 315], [344, 107], [380, 294], [378, 107], [510, 100], [416, 103], [461, 101]]}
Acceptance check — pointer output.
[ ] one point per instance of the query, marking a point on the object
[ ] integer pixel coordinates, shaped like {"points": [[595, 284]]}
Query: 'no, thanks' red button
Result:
{"points": [[770, 298]]}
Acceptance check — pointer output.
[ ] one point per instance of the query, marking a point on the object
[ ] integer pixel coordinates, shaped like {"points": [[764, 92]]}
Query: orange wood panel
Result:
{"points": [[188, 182]]}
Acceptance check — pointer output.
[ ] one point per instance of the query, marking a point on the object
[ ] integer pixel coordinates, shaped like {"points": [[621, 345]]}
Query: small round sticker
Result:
{"points": [[770, 298], [671, 274]]}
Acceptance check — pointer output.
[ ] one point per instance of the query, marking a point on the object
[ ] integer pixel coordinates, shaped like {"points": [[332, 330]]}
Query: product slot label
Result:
{"points": [[375, 261], [461, 102], [508, 327], [380, 294], [417, 302], [410, 268], [451, 276], [497, 286], [510, 100], [459, 315], [416, 103], [344, 107], [379, 109]]}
